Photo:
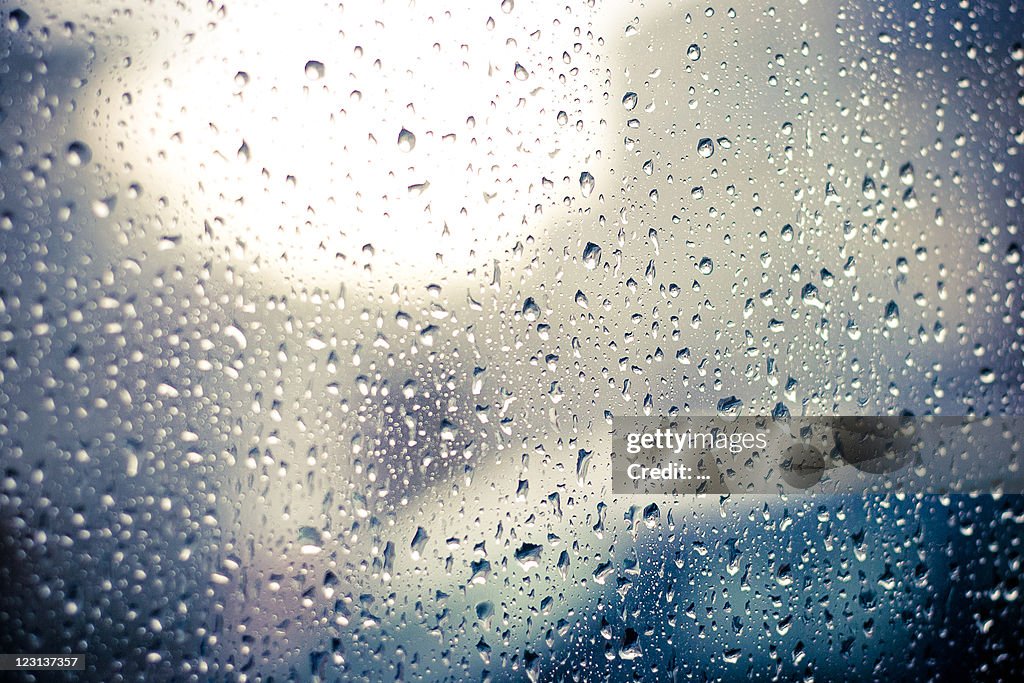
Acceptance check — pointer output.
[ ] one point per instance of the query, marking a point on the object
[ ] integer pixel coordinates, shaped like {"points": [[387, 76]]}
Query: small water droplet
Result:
{"points": [[629, 101], [693, 52]]}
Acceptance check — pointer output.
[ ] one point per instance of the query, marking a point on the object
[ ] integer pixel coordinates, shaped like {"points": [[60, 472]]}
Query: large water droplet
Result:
{"points": [[406, 140], [531, 311], [18, 19], [705, 148], [78, 154], [314, 70], [892, 315], [587, 183]]}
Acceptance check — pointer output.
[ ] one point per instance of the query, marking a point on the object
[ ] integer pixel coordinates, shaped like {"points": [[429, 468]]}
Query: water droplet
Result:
{"points": [[868, 188], [587, 183], [531, 311], [907, 173], [591, 256], [18, 19], [730, 406], [892, 315], [528, 555], [78, 154], [629, 101], [521, 73], [693, 52], [314, 70], [102, 208], [705, 148], [419, 540], [406, 140], [706, 265]]}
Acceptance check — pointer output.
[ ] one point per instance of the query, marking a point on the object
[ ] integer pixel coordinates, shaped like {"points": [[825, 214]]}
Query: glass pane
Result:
{"points": [[315, 319]]}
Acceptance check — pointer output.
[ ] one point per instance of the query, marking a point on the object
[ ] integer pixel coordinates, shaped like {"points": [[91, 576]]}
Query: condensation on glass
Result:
{"points": [[314, 318]]}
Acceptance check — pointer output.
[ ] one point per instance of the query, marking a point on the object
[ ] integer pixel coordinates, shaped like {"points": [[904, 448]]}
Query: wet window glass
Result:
{"points": [[328, 332]]}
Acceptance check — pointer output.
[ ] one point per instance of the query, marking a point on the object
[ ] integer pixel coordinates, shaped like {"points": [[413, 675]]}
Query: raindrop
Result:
{"points": [[419, 540], [693, 52], [907, 173], [78, 154], [102, 208], [705, 148], [314, 70], [18, 19], [730, 406], [892, 315], [587, 183], [406, 140], [531, 311]]}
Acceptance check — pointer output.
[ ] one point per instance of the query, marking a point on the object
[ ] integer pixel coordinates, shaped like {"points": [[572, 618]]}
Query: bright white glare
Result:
{"points": [[304, 165]]}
